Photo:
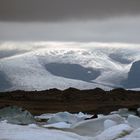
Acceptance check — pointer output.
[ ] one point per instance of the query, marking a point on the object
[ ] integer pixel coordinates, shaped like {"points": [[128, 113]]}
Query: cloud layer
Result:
{"points": [[70, 20], [58, 10], [112, 30]]}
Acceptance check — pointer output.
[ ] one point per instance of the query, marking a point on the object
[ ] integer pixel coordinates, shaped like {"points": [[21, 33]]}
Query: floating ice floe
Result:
{"points": [[67, 126], [67, 118], [58, 125], [124, 112], [16, 115], [94, 127], [134, 121], [109, 123], [44, 116], [114, 132], [32, 131], [18, 132]]}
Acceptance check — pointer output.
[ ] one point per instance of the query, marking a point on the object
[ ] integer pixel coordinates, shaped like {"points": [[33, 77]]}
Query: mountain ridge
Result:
{"points": [[72, 100]]}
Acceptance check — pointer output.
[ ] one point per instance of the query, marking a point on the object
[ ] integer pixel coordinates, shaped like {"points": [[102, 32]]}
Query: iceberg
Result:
{"points": [[134, 121], [94, 127], [67, 117], [16, 115]]}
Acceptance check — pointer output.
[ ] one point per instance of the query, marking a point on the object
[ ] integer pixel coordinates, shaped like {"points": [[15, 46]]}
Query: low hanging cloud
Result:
{"points": [[125, 29]]}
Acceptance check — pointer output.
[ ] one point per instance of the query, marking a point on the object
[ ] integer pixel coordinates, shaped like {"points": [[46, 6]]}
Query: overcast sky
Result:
{"points": [[70, 20]]}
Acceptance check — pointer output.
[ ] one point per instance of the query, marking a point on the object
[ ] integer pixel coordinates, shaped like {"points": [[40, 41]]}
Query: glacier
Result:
{"points": [[25, 66]]}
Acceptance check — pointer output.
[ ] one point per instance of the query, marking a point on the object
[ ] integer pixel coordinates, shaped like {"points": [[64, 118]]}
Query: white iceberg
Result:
{"points": [[134, 121], [67, 117], [114, 132], [58, 125], [124, 112], [109, 123], [94, 127], [18, 132], [16, 115]]}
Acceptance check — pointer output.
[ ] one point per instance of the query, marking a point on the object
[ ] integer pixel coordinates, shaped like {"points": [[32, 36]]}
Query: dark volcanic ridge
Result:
{"points": [[72, 100], [133, 80]]}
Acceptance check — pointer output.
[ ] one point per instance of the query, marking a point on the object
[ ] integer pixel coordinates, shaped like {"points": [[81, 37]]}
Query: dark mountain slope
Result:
{"points": [[72, 100], [133, 80]]}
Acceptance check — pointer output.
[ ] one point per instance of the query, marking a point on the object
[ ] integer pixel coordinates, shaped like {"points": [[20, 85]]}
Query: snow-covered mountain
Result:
{"points": [[45, 65]]}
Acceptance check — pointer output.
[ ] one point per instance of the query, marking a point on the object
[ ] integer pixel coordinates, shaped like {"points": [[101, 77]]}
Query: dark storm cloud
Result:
{"points": [[57, 10]]}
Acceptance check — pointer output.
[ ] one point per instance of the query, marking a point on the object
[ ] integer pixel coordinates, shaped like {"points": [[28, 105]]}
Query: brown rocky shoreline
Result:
{"points": [[72, 100]]}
